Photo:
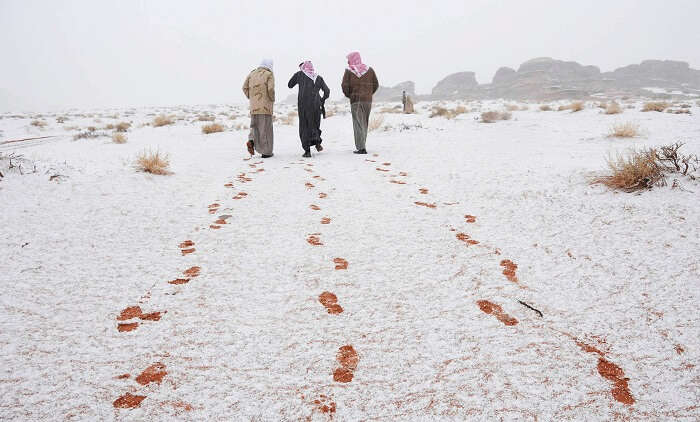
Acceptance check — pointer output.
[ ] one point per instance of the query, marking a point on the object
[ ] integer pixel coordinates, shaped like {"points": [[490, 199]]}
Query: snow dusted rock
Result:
{"points": [[456, 85]]}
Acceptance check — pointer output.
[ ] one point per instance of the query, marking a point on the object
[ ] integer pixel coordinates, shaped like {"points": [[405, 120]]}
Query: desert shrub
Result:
{"points": [[512, 107], [122, 126], [574, 106], [678, 111], [38, 123], [655, 106], [647, 168], [212, 128], [392, 110], [613, 108], [624, 130], [545, 107], [153, 162], [162, 120], [447, 113], [205, 118], [289, 119], [375, 122], [634, 171], [109, 126], [494, 116], [90, 133], [61, 119], [118, 138]]}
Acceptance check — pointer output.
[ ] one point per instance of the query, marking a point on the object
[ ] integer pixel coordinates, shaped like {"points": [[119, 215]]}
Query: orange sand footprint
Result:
{"points": [[330, 302], [495, 310]]}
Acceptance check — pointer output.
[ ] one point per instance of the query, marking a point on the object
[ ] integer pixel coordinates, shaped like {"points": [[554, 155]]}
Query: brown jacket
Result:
{"points": [[360, 90], [259, 88]]}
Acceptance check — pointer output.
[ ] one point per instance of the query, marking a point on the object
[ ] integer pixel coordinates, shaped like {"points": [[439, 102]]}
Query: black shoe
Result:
{"points": [[266, 156], [307, 154], [319, 148], [360, 151]]}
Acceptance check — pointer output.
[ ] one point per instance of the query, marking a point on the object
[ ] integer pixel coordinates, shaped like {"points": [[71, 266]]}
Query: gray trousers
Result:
{"points": [[261, 133], [360, 121]]}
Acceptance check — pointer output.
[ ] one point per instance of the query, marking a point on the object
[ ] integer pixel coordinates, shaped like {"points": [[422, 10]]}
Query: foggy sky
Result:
{"points": [[99, 53]]}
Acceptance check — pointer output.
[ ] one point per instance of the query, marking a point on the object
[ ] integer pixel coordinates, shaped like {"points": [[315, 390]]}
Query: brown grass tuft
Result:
{"points": [[38, 123], [574, 106], [494, 116], [162, 120], [375, 122], [153, 162], [624, 130], [118, 138], [655, 106], [205, 118], [635, 171], [545, 107], [613, 108], [212, 128], [122, 126]]}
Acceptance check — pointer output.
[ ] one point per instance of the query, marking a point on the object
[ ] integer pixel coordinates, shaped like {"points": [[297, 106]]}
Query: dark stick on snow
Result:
{"points": [[530, 307]]}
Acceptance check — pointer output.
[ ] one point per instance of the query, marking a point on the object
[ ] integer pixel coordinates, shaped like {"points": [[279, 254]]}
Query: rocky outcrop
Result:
{"points": [[395, 93], [456, 85], [545, 78]]}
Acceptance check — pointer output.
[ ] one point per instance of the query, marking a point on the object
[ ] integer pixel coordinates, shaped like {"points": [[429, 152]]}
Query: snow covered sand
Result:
{"points": [[431, 326]]}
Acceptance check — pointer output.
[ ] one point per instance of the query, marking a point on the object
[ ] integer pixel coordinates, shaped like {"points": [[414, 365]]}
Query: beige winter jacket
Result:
{"points": [[259, 88]]}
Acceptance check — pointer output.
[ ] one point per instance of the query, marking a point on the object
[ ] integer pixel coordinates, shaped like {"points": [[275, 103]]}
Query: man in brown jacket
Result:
{"points": [[359, 84], [259, 88]]}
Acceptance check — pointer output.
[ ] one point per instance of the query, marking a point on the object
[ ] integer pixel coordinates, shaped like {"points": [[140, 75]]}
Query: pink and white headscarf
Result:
{"points": [[355, 64], [308, 70]]}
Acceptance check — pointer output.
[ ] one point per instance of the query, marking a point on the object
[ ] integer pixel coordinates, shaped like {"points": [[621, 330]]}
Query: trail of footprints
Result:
{"points": [[346, 357], [130, 317], [608, 370]]}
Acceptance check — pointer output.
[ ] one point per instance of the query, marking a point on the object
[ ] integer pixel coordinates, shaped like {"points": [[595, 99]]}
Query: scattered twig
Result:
{"points": [[25, 244], [530, 307]]}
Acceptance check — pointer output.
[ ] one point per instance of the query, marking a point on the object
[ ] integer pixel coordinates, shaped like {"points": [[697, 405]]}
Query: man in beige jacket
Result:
{"points": [[259, 88]]}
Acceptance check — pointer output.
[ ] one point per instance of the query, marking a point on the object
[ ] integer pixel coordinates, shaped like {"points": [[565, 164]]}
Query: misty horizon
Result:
{"points": [[148, 53]]}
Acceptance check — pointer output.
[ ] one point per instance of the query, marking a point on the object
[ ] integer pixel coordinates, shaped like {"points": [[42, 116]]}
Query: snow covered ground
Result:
{"points": [[446, 226]]}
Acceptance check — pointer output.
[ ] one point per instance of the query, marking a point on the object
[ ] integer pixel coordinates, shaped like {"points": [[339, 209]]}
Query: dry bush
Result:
{"points": [[655, 106], [678, 111], [624, 130], [212, 128], [545, 107], [375, 122], [574, 106], [288, 119], [61, 119], [122, 126], [447, 113], [613, 108], [392, 110], [153, 162], [512, 107], [118, 138], [205, 118], [494, 116], [109, 126], [647, 168], [638, 170], [38, 123], [162, 120]]}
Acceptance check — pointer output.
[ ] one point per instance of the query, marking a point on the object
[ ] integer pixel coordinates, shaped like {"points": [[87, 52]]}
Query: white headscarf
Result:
{"points": [[267, 64]]}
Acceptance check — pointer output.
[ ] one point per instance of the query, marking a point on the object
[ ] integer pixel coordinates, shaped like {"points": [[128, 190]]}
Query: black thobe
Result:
{"points": [[309, 104]]}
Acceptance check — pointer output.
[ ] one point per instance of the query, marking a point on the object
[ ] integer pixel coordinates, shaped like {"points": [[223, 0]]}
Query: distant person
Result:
{"points": [[359, 84], [407, 103], [259, 88], [310, 105]]}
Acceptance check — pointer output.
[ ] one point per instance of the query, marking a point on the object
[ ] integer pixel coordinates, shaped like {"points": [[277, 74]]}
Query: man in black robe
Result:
{"points": [[310, 104]]}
